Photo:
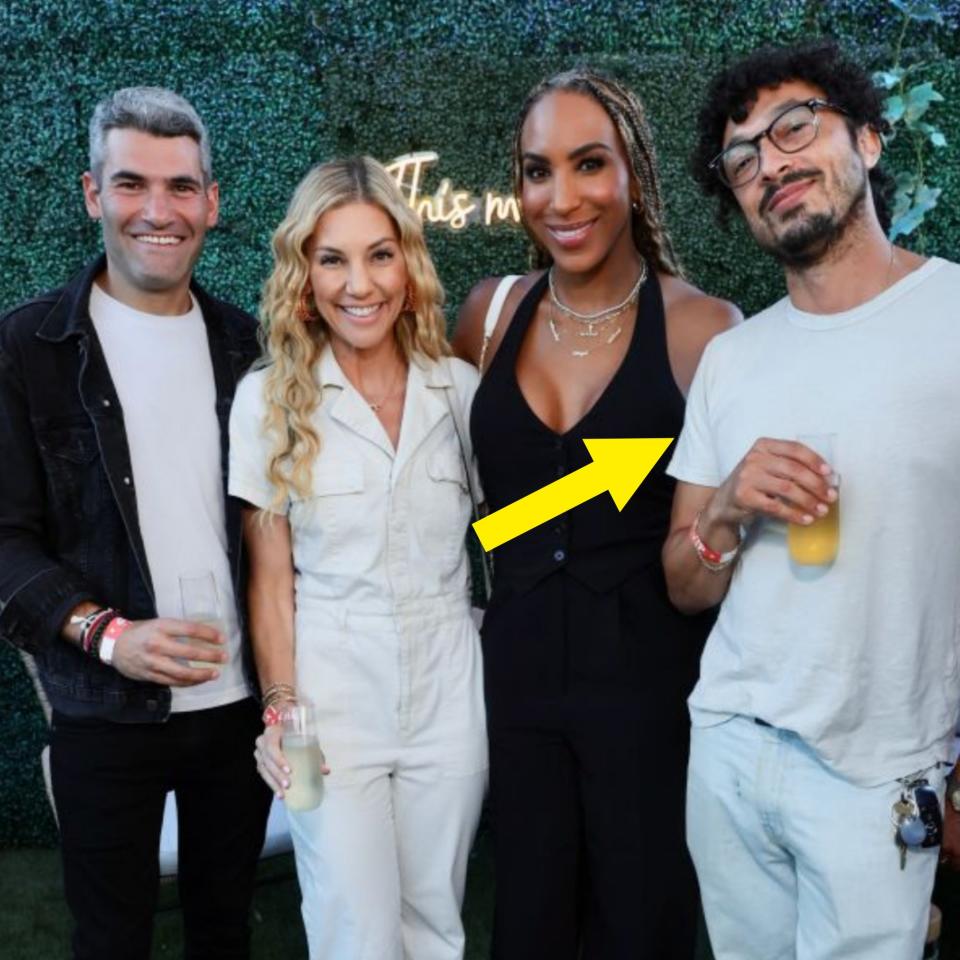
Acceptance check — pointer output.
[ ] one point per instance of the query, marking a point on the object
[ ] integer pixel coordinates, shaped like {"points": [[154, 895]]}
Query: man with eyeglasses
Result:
{"points": [[829, 687]]}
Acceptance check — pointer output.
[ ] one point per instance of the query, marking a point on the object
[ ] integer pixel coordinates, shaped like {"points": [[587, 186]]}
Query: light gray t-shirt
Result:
{"points": [[161, 368], [859, 658]]}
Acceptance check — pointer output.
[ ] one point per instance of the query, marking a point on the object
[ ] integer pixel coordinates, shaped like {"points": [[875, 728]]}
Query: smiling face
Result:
{"points": [[800, 204], [155, 212], [358, 274], [576, 181]]}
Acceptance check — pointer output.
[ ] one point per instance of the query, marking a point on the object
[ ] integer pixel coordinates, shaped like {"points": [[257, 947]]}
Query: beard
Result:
{"points": [[814, 236]]}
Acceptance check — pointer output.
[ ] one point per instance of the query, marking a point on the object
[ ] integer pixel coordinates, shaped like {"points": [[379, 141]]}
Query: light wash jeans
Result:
{"points": [[794, 862]]}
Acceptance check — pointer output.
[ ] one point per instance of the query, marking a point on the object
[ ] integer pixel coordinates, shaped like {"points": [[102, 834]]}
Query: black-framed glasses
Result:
{"points": [[790, 131]]}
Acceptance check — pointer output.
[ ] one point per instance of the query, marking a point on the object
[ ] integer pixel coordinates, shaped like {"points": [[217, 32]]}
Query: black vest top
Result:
{"points": [[518, 454]]}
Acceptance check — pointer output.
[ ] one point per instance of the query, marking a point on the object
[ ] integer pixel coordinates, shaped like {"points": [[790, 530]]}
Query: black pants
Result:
{"points": [[589, 739], [110, 782], [589, 852]]}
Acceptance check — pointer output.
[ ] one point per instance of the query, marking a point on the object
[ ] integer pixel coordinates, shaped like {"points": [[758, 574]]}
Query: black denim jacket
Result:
{"points": [[68, 507]]}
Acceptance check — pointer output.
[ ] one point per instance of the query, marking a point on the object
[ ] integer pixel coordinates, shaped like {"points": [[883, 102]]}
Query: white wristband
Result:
{"points": [[106, 649]]}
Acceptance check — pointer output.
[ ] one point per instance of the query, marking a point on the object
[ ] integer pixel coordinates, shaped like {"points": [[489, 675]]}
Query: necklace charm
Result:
{"points": [[592, 325]]}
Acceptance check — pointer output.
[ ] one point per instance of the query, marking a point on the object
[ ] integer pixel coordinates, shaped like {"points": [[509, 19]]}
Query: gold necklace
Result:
{"points": [[589, 331], [592, 324], [375, 405], [599, 316]]}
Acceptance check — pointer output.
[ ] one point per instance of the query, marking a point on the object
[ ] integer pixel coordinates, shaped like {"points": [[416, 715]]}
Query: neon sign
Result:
{"points": [[455, 209]]}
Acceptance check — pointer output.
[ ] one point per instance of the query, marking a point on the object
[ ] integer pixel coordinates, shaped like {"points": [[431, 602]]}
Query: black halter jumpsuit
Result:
{"points": [[587, 669]]}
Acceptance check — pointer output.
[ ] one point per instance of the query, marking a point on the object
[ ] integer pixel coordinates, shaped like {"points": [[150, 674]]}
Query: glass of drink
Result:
{"points": [[301, 747], [201, 604], [817, 543]]}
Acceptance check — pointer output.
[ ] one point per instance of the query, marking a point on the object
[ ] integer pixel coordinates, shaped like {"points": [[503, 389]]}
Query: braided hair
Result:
{"points": [[624, 108]]}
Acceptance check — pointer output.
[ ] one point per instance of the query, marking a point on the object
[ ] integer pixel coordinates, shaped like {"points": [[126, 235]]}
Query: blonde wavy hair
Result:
{"points": [[292, 345]]}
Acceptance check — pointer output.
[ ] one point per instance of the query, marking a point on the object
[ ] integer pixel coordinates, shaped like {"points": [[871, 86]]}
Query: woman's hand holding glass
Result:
{"points": [[289, 758]]}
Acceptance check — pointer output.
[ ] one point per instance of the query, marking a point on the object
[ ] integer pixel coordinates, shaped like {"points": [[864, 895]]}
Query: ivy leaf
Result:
{"points": [[919, 10], [894, 108], [926, 197], [933, 134], [924, 201], [918, 101], [888, 79], [901, 204], [905, 181], [904, 225]]}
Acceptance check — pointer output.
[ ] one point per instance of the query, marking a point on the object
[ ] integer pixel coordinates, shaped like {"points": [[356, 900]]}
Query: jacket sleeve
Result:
{"points": [[36, 591]]}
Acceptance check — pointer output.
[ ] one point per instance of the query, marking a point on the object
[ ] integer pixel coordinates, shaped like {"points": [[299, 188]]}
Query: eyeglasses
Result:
{"points": [[790, 131]]}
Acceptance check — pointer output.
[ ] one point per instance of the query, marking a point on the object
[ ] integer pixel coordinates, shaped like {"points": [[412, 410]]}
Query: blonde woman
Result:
{"points": [[344, 445]]}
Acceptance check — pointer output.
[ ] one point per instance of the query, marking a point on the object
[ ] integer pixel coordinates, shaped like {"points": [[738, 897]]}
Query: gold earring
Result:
{"points": [[305, 314]]}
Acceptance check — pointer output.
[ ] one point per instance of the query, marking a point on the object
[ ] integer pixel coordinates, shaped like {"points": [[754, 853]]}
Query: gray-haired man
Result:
{"points": [[114, 394]]}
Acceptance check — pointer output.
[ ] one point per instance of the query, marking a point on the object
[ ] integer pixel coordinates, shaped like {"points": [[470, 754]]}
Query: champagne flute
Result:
{"points": [[817, 543], [201, 604], [301, 747]]}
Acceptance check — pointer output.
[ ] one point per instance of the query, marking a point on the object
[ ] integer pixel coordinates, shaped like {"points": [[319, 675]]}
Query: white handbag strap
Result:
{"points": [[493, 314], [466, 457]]}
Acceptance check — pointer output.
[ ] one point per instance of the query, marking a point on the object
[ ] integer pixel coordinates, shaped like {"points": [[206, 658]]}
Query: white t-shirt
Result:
{"points": [[161, 368], [858, 658]]}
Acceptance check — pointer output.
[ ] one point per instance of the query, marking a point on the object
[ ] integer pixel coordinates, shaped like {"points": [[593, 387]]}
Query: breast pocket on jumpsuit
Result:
{"points": [[333, 534], [447, 508]]}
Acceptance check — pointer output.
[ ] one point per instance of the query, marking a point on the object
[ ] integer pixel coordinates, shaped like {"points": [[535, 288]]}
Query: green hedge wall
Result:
{"points": [[283, 84]]}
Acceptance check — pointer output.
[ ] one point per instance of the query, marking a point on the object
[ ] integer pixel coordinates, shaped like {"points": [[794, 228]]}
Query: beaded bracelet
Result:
{"points": [[90, 638], [90, 624]]}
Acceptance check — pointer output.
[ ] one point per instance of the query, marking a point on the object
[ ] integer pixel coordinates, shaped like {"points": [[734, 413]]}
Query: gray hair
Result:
{"points": [[152, 110]]}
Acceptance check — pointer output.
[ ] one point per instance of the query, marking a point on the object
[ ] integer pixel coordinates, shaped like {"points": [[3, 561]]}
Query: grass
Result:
{"points": [[34, 923]]}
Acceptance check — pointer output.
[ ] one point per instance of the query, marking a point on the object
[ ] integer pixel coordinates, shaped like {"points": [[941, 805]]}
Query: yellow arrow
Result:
{"points": [[619, 466]]}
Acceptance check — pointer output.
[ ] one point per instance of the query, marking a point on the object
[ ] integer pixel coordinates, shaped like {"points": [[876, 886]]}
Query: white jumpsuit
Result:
{"points": [[388, 653]]}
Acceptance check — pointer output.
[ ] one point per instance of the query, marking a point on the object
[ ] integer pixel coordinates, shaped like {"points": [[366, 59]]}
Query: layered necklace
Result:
{"points": [[602, 325]]}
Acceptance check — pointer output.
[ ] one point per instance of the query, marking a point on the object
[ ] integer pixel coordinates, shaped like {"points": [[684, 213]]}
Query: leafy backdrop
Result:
{"points": [[283, 84]]}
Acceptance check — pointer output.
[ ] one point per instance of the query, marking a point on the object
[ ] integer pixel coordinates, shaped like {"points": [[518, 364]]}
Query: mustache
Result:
{"points": [[789, 178]]}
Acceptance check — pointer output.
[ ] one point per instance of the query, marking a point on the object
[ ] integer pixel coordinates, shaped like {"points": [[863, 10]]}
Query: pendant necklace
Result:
{"points": [[592, 324], [375, 405]]}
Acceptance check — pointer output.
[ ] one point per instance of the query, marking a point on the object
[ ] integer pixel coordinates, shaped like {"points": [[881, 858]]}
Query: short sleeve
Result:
{"points": [[250, 448], [695, 456]]}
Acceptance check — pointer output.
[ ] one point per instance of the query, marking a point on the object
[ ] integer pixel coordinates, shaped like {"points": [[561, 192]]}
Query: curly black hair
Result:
{"points": [[820, 63]]}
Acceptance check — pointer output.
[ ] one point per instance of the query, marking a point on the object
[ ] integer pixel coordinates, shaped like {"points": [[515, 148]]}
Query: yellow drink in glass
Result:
{"points": [[816, 544]]}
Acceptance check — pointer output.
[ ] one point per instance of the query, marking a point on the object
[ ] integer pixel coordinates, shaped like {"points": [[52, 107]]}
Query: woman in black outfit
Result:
{"points": [[587, 666]]}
